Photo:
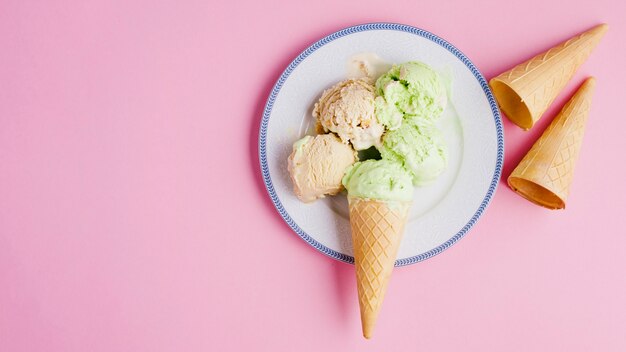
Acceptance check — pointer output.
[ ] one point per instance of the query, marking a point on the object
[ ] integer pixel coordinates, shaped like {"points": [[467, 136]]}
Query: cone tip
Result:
{"points": [[368, 322], [598, 31], [368, 330], [588, 85], [603, 27]]}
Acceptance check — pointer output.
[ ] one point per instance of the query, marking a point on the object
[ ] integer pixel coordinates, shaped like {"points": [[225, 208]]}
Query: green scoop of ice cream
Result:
{"points": [[379, 179], [411, 91], [420, 148]]}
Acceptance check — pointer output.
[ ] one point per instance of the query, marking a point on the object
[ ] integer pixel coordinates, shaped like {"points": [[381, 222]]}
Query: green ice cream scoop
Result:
{"points": [[420, 148], [411, 91], [379, 179]]}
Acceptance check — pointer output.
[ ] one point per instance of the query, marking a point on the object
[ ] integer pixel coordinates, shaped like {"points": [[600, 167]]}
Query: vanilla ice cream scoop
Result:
{"points": [[317, 165], [347, 109]]}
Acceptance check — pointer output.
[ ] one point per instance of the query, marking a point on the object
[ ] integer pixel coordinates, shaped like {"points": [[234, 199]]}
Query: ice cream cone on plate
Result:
{"points": [[380, 193], [377, 229], [545, 174], [527, 90]]}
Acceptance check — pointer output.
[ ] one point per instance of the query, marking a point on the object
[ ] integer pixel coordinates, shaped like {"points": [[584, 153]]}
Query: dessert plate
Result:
{"points": [[443, 212]]}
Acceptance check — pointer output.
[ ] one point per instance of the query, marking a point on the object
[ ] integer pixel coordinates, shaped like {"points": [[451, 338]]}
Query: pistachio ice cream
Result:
{"points": [[409, 92], [419, 148], [379, 179]]}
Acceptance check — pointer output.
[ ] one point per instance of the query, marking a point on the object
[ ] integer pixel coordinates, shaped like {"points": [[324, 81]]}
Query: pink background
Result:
{"points": [[133, 216]]}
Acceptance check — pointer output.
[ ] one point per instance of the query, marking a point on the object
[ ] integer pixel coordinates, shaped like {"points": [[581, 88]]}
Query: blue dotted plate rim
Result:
{"points": [[361, 28]]}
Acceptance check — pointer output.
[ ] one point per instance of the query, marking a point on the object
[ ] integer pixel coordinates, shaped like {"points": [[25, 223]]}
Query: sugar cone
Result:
{"points": [[526, 91], [545, 174], [377, 228]]}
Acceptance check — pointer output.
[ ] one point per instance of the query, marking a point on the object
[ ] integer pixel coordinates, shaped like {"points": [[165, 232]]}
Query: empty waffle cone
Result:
{"points": [[545, 174], [527, 90], [377, 228]]}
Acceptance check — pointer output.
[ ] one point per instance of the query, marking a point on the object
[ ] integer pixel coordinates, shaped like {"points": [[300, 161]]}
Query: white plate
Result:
{"points": [[442, 212]]}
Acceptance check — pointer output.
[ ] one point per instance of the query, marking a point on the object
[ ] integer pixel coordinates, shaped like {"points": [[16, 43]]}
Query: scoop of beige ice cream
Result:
{"points": [[347, 109], [317, 165]]}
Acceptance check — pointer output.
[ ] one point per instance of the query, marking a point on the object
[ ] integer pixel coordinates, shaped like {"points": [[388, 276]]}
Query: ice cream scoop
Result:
{"points": [[420, 148], [379, 179], [409, 91], [347, 109], [317, 165]]}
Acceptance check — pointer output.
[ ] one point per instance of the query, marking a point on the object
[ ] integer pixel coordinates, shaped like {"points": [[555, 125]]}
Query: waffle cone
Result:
{"points": [[377, 228], [527, 90], [545, 174]]}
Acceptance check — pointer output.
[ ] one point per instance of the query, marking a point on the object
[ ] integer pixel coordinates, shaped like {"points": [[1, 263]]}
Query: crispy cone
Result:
{"points": [[377, 228], [526, 91], [545, 174]]}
